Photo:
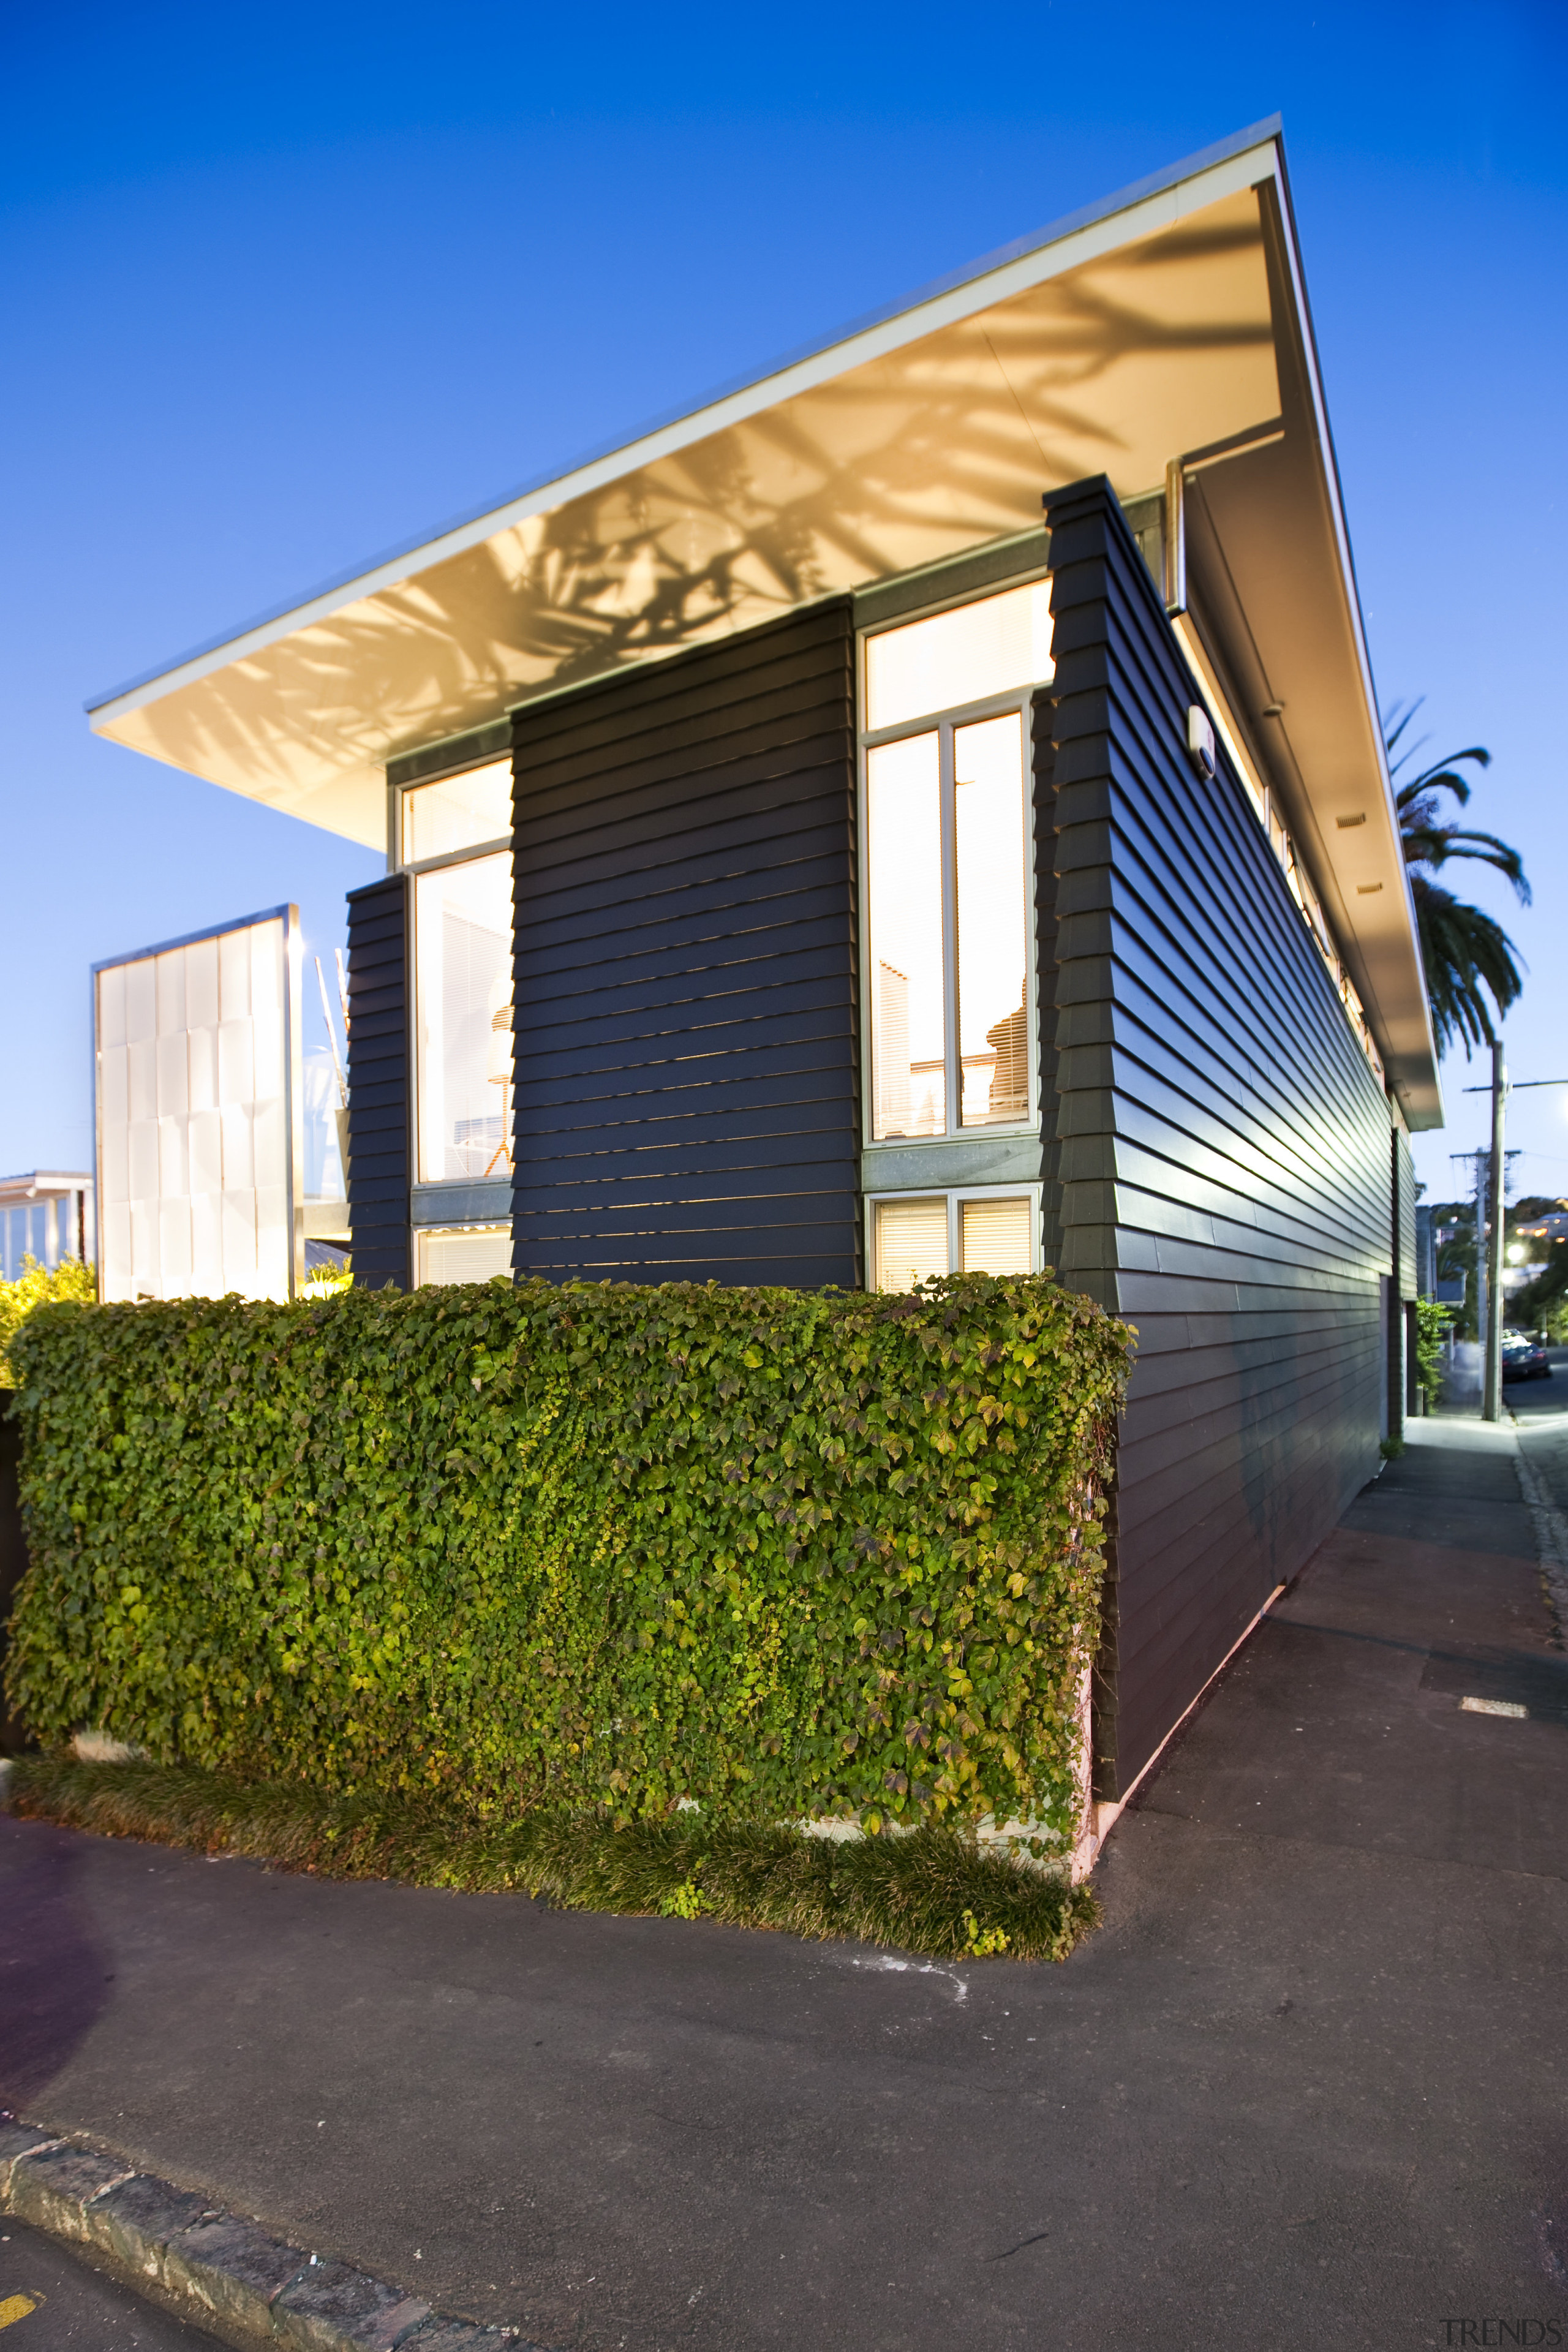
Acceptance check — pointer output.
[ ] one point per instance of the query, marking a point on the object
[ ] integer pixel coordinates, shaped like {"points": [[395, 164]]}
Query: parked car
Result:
{"points": [[1524, 1358]]}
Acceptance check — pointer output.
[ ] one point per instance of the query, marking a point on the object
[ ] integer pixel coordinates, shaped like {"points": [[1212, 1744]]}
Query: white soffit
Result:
{"points": [[1101, 348], [1109, 344]]}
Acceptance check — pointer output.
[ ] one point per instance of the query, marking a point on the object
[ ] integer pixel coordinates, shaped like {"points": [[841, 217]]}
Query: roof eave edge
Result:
{"points": [[663, 437]]}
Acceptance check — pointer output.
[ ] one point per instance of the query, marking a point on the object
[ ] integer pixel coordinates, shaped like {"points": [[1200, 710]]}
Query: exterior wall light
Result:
{"points": [[1200, 740]]}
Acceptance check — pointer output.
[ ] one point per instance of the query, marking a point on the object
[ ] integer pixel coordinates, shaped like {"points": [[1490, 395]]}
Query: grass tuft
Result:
{"points": [[933, 1892]]}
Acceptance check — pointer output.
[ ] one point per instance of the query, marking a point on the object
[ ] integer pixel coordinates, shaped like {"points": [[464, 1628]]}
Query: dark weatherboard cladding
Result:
{"points": [[378, 1171], [1223, 1152], [687, 1074]]}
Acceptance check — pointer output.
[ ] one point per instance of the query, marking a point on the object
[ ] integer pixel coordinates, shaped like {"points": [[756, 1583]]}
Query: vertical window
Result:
{"points": [[993, 922], [462, 935], [947, 807], [908, 1018]]}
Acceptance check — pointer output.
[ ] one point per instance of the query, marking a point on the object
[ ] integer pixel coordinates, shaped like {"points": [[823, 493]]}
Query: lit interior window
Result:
{"points": [[949, 935], [459, 812], [908, 1028], [953, 658], [993, 929], [911, 1238], [463, 1254], [996, 1236], [462, 928], [911, 1242]]}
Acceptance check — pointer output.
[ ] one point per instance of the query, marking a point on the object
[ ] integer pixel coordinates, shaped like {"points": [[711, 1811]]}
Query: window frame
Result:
{"points": [[414, 868], [954, 1195], [942, 724], [422, 1234]]}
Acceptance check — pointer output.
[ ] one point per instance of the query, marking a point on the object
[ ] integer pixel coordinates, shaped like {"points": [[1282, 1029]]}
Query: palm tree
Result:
{"points": [[1463, 949]]}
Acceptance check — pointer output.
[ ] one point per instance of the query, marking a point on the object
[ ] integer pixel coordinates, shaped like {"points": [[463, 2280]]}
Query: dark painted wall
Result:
{"points": [[1405, 1213], [1401, 1345], [1042, 723], [687, 1093], [380, 1165], [1223, 1152]]}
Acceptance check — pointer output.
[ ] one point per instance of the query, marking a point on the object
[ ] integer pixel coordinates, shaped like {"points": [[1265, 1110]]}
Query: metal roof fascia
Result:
{"points": [[193, 939], [1347, 559], [1079, 236]]}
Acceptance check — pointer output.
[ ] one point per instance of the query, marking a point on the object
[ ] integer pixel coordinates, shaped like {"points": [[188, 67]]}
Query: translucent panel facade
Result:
{"points": [[466, 812], [953, 658], [462, 932], [199, 1116], [463, 1254]]}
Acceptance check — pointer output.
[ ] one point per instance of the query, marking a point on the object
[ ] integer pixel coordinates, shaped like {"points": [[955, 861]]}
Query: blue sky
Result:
{"points": [[287, 288]]}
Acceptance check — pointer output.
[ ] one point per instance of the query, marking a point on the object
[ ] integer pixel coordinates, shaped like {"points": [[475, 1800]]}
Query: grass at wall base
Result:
{"points": [[932, 1892], [529, 1567]]}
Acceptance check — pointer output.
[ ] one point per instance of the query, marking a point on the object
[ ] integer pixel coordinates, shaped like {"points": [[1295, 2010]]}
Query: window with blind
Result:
{"points": [[916, 1236]]}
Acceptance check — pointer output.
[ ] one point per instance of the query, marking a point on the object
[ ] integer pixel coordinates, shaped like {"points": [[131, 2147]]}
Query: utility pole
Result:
{"points": [[1488, 1268], [1482, 1287], [1491, 1395]]}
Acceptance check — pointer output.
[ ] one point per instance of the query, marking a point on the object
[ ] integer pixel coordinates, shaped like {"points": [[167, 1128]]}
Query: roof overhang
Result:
{"points": [[1170, 322], [40, 1185]]}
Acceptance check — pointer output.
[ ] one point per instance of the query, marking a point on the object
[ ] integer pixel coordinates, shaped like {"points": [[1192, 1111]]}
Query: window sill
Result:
{"points": [[460, 1203], [937, 1164]]}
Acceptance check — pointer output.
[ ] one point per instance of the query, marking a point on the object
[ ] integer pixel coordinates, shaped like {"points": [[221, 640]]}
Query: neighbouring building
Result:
{"points": [[923, 809], [46, 1215]]}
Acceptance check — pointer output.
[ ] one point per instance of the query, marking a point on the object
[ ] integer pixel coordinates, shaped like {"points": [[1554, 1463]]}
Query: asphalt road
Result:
{"points": [[1540, 1413], [1307, 2085], [53, 2301]]}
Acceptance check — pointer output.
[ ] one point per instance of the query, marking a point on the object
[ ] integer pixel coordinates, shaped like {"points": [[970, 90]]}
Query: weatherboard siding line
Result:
{"points": [[1187, 967], [788, 951], [651, 1073], [738, 1038], [681, 1091], [1114, 675], [380, 1149], [631, 783], [1149, 1159], [643, 895], [693, 696], [753, 798], [1296, 1179], [731, 923], [811, 821], [1174, 919]]}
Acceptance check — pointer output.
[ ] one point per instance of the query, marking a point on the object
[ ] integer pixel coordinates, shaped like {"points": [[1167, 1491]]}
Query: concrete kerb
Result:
{"points": [[1550, 1526], [232, 2277]]}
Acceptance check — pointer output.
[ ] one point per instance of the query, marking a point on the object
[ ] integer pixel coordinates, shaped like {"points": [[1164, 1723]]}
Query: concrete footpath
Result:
{"points": [[1307, 2087]]}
